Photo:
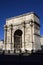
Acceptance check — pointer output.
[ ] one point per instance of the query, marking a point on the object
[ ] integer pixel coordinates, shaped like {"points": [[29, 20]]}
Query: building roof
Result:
{"points": [[23, 15]]}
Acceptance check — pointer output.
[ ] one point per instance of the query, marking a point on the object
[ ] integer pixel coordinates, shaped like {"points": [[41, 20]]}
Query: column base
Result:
{"points": [[18, 51], [12, 51], [6, 51]]}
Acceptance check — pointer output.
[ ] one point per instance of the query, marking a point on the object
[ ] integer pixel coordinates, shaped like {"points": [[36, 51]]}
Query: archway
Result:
{"points": [[18, 39]]}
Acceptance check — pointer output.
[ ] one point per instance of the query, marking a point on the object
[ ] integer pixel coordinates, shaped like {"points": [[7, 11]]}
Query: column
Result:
{"points": [[24, 35], [5, 36], [11, 35], [31, 24]]}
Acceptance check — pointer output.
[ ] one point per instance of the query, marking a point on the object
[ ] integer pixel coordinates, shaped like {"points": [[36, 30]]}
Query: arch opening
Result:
{"points": [[18, 39]]}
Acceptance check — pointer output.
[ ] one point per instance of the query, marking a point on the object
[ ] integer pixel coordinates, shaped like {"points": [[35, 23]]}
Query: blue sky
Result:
{"points": [[10, 8]]}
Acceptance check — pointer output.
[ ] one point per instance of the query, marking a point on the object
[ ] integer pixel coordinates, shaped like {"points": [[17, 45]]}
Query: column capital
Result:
{"points": [[24, 24], [11, 26], [31, 23], [5, 27]]}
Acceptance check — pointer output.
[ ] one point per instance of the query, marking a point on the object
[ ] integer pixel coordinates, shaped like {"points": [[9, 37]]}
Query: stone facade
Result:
{"points": [[22, 33], [1, 44], [41, 41]]}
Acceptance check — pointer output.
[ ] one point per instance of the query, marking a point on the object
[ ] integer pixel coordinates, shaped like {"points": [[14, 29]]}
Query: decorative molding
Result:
{"points": [[36, 23], [23, 15], [36, 34]]}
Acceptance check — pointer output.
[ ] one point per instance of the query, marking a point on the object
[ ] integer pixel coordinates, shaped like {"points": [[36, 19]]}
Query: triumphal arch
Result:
{"points": [[22, 34]]}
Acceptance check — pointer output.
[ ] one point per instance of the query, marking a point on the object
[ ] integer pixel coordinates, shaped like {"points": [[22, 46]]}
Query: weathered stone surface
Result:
{"points": [[30, 34]]}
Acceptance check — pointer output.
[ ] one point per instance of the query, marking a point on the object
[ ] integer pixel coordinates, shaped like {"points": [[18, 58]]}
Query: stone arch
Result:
{"points": [[18, 39]]}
